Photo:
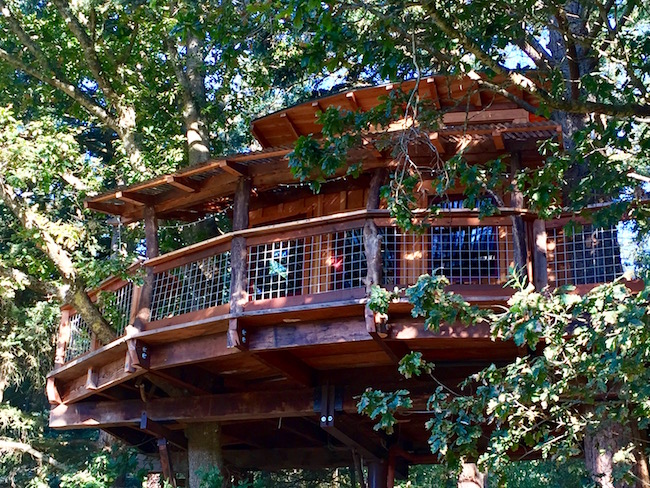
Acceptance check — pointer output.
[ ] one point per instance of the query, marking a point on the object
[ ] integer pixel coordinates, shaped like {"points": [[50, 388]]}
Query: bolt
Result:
{"points": [[323, 419], [243, 339], [330, 418], [243, 332], [144, 349], [144, 355]]}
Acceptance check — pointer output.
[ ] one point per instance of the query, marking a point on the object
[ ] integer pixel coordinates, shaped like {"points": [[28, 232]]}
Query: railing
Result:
{"points": [[587, 256], [325, 258]]}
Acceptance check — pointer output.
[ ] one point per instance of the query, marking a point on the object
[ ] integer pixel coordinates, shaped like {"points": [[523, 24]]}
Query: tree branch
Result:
{"points": [[76, 294], [24, 280], [88, 48], [7, 445], [528, 85], [69, 89]]}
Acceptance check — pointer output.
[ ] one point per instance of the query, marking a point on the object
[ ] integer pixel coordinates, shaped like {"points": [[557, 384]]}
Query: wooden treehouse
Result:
{"points": [[264, 331]]}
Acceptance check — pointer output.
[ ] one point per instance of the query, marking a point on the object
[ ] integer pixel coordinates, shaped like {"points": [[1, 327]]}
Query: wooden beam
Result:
{"points": [[161, 432], [476, 116], [134, 198], [292, 126], [91, 379], [184, 184], [290, 366], [352, 101], [106, 208], [250, 405], [434, 137], [257, 134], [234, 168], [433, 90], [497, 137]]}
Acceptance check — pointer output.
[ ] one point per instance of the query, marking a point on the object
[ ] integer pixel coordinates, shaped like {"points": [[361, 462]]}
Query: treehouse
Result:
{"points": [[264, 333]]}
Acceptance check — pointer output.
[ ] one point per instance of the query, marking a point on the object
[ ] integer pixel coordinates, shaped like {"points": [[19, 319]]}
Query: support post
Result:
{"points": [[166, 463], [146, 293], [377, 474], [239, 262], [372, 246], [540, 273], [518, 228]]}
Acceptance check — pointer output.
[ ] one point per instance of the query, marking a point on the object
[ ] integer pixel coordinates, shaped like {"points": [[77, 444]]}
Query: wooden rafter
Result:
{"points": [[497, 137], [259, 136], [134, 198], [233, 168], [352, 101], [184, 184], [290, 124], [162, 432]]}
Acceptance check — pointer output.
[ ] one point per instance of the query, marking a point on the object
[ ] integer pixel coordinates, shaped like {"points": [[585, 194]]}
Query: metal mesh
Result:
{"points": [[116, 308], [194, 286], [404, 257], [80, 338], [465, 255], [590, 255], [314, 264], [120, 308]]}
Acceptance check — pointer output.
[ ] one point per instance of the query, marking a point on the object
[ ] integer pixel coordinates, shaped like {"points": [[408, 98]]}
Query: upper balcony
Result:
{"points": [[296, 268]]}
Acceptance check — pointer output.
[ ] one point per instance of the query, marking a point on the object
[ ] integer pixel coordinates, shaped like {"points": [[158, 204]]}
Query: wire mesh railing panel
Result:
{"points": [[80, 340], [309, 265], [589, 255], [404, 256], [466, 255], [194, 286], [471, 255], [120, 308]]}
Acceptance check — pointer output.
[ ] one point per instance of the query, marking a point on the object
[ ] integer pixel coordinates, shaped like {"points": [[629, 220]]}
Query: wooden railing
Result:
{"points": [[323, 260]]}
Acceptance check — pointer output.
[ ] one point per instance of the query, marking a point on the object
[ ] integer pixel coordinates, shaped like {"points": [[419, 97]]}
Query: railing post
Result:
{"points": [[146, 293], [540, 273], [372, 245], [239, 264], [518, 228]]}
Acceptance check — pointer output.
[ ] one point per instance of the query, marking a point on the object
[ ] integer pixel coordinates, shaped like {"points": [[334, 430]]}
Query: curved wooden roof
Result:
{"points": [[490, 121]]}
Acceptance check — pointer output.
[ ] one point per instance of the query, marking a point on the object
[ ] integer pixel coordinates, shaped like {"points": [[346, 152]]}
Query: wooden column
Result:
{"points": [[540, 272], [518, 228], [377, 475], [239, 263], [372, 245], [146, 293]]}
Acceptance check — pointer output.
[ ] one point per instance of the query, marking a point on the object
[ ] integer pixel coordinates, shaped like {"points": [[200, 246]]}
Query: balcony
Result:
{"points": [[318, 266]]}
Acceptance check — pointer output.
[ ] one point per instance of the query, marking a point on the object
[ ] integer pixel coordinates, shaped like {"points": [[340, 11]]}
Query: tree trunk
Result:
{"points": [[204, 452], [196, 127], [601, 447], [471, 477]]}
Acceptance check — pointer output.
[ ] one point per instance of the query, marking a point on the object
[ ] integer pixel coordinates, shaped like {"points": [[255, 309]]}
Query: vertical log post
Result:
{"points": [[146, 293], [540, 273], [518, 228], [375, 324], [239, 264], [377, 475]]}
